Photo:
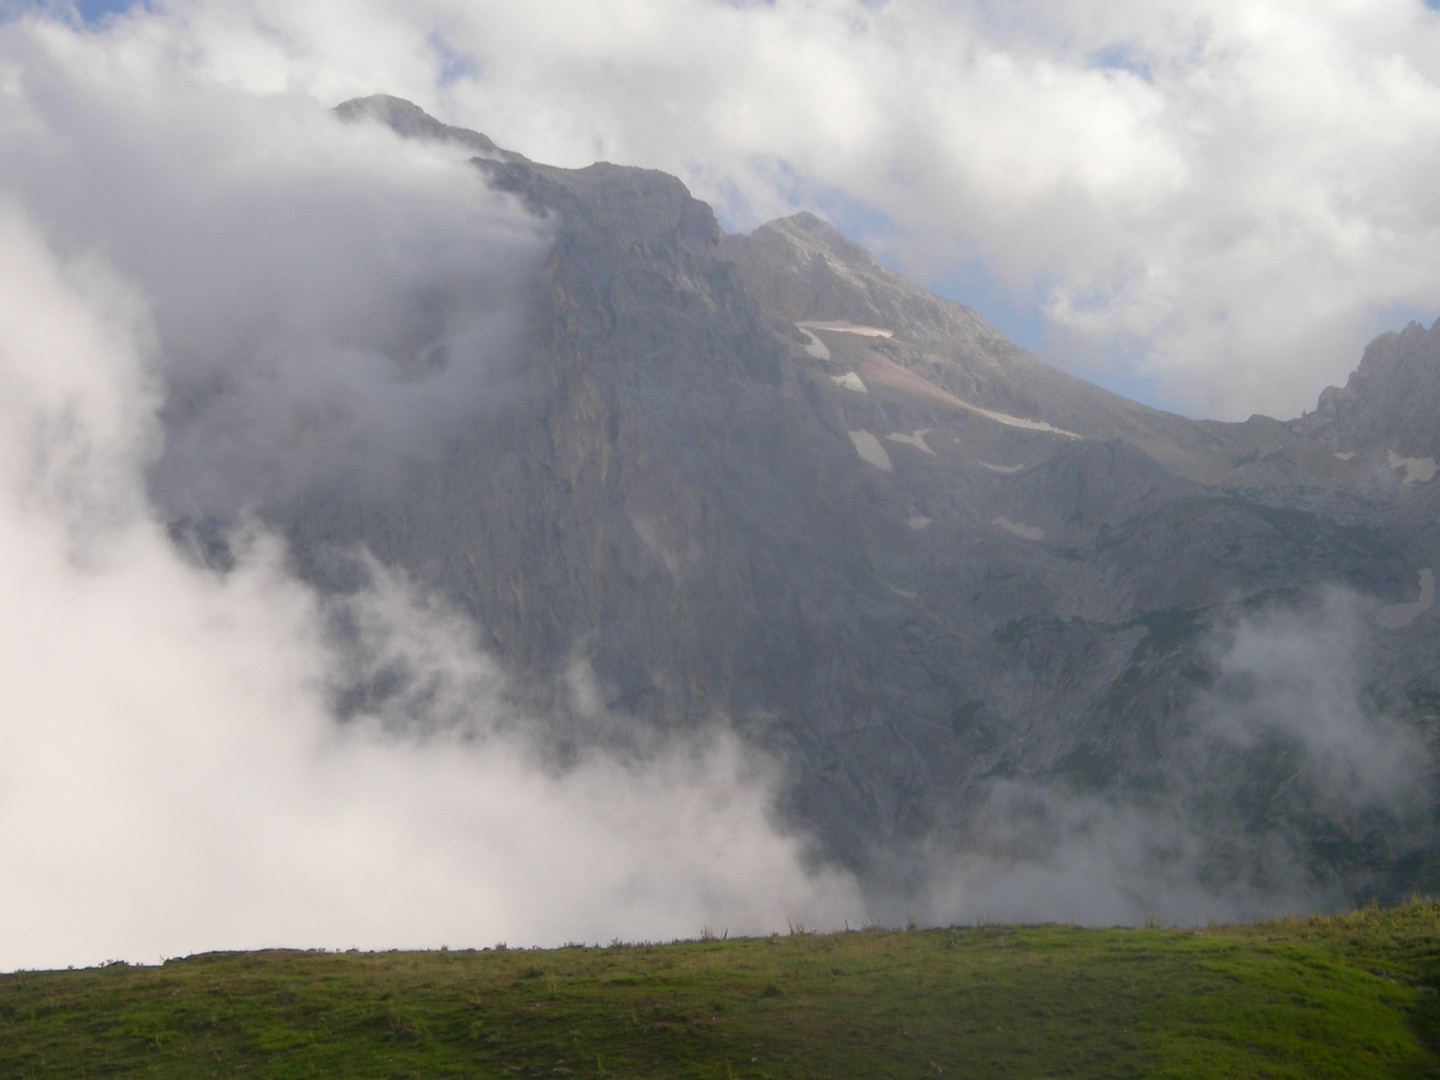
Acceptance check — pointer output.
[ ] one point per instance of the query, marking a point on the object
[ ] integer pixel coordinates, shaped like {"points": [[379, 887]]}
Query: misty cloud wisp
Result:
{"points": [[173, 775]]}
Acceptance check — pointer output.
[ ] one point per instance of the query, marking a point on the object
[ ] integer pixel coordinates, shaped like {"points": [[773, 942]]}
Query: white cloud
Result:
{"points": [[1233, 194], [173, 775], [326, 301], [1280, 762]]}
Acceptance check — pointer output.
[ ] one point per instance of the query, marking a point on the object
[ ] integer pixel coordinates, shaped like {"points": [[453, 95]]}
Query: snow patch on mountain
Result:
{"points": [[813, 345], [843, 327], [870, 450], [916, 440], [1399, 616], [1026, 532], [1416, 469]]}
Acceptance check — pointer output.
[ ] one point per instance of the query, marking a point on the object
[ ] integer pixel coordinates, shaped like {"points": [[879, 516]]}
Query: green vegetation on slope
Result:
{"points": [[1350, 996]]}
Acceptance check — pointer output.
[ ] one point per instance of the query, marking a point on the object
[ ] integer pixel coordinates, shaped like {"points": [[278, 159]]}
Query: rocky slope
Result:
{"points": [[1391, 405], [764, 478]]}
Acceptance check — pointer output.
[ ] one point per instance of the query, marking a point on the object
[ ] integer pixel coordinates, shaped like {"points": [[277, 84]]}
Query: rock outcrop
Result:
{"points": [[1391, 402]]}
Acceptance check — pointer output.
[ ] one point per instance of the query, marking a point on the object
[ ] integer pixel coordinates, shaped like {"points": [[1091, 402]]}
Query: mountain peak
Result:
{"points": [[639, 203], [803, 492], [407, 119], [814, 235], [1391, 401], [806, 269]]}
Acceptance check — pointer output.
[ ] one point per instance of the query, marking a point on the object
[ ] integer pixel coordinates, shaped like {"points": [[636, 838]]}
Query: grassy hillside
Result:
{"points": [[1351, 996]]}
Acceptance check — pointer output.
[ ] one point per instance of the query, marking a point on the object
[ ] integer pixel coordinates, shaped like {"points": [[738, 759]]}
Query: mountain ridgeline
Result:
{"points": [[975, 605]]}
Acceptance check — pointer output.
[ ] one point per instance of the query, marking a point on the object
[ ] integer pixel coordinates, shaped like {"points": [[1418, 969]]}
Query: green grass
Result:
{"points": [[1349, 996]]}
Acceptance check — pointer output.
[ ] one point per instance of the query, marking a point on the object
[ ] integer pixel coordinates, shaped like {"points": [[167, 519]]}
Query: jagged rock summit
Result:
{"points": [[766, 478], [1391, 404]]}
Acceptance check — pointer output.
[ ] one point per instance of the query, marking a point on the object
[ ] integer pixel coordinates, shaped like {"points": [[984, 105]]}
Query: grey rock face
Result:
{"points": [[765, 478], [408, 119], [1391, 402]]}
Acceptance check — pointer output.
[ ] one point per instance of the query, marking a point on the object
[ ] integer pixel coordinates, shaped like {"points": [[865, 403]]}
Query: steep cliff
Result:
{"points": [[765, 479]]}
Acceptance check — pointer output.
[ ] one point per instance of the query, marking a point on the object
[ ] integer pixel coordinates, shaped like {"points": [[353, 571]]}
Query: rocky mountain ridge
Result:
{"points": [[1390, 404], [763, 477]]}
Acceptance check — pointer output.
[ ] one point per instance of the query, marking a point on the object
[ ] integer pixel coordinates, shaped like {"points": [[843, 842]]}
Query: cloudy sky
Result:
{"points": [[1207, 204]]}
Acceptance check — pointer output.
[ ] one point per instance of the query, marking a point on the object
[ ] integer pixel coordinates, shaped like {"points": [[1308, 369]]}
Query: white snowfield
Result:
{"points": [[916, 440], [1399, 616], [1421, 469], [888, 373], [870, 450], [813, 345], [845, 328], [1027, 532], [1020, 422], [1345, 456], [918, 521], [892, 374], [1002, 468]]}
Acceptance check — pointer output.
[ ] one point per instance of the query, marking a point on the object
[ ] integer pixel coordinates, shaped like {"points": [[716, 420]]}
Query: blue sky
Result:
{"points": [[93, 11]]}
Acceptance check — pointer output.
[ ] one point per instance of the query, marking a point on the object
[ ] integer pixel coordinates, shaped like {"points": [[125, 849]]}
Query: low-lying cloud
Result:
{"points": [[218, 290], [328, 300], [1287, 789]]}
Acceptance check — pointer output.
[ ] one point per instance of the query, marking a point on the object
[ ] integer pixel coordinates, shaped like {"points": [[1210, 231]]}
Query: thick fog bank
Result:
{"points": [[328, 300], [288, 299]]}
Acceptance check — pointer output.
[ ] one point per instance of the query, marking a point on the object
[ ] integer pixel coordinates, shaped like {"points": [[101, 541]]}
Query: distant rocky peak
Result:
{"points": [[812, 236], [639, 204], [806, 269], [407, 119], [803, 269], [1391, 402]]}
